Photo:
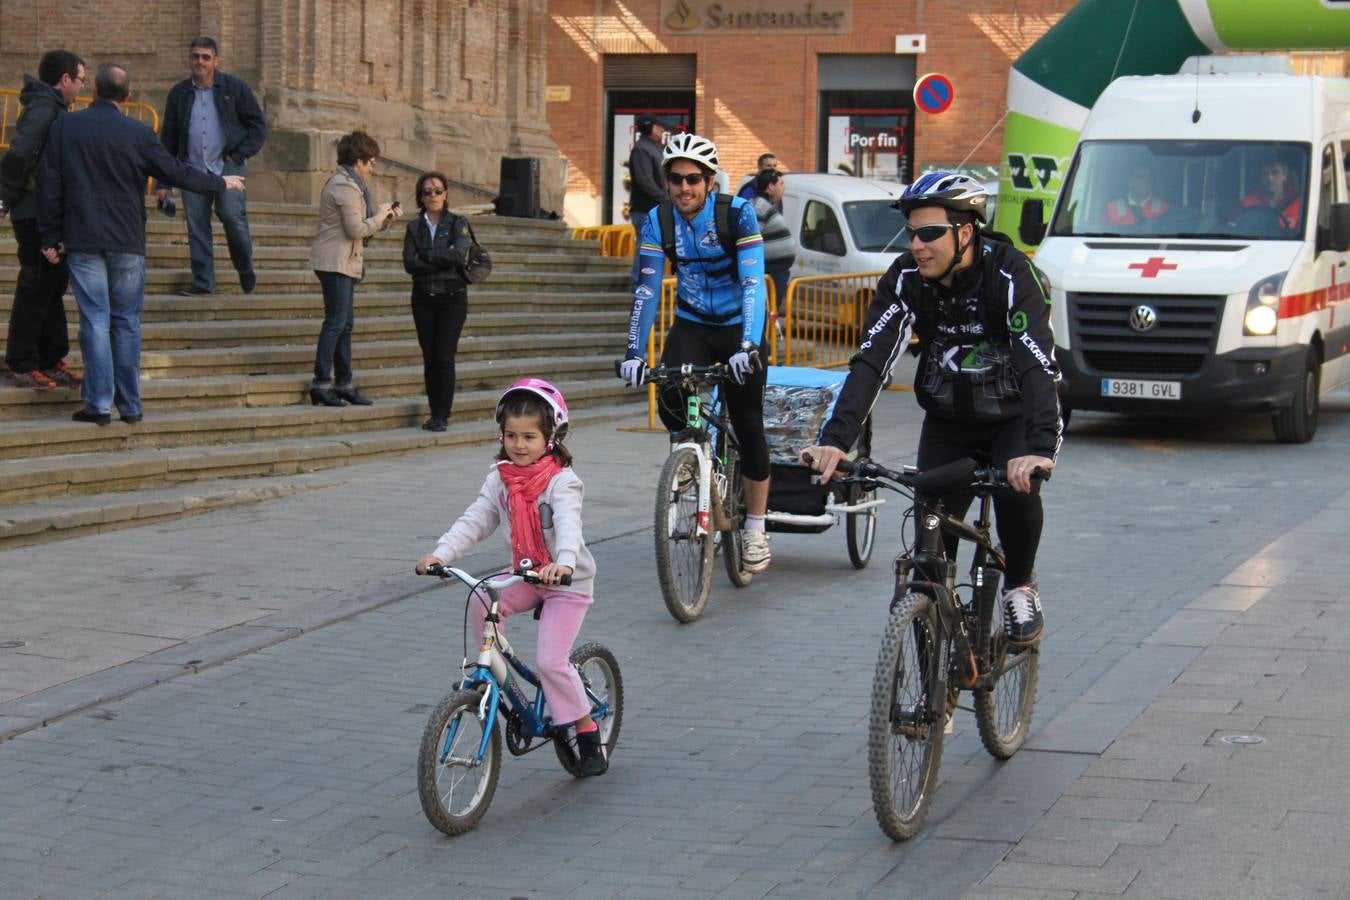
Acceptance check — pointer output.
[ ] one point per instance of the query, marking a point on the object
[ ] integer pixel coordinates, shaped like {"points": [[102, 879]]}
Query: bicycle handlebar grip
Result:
{"points": [[438, 570]]}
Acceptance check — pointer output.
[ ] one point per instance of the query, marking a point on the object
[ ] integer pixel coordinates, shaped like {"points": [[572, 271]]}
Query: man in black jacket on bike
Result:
{"points": [[213, 122], [986, 379]]}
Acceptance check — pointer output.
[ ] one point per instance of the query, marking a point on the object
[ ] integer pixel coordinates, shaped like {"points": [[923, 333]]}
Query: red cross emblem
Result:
{"points": [[1152, 267]]}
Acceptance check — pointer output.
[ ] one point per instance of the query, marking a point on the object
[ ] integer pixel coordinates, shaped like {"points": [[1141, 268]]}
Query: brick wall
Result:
{"points": [[442, 84], [758, 92]]}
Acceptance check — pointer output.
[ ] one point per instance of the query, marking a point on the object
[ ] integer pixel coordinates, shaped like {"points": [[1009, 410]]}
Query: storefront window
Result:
{"points": [[868, 134]]}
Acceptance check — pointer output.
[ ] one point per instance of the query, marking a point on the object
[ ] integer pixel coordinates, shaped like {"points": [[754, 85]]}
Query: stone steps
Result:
{"points": [[56, 497], [227, 391], [225, 377]]}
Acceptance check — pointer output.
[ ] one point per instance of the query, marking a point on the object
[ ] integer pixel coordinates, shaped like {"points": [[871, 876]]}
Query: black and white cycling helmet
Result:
{"points": [[950, 190], [692, 147]]}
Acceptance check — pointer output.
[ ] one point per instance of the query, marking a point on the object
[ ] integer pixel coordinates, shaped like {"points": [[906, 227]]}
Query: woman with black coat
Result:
{"points": [[435, 246]]}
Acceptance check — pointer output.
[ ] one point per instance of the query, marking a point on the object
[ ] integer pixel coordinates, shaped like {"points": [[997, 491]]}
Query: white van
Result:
{"points": [[842, 224], [1198, 247]]}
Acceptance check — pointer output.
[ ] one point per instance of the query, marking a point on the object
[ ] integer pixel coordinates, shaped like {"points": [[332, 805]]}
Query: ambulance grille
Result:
{"points": [[1179, 342]]}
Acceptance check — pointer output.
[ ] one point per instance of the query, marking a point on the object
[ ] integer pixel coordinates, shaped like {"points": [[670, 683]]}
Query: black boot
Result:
{"points": [[591, 753], [352, 396], [325, 396]]}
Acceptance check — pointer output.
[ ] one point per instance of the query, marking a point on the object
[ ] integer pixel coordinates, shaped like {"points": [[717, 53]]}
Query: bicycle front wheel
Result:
{"points": [[454, 783], [1003, 713], [599, 671], [904, 732], [684, 558]]}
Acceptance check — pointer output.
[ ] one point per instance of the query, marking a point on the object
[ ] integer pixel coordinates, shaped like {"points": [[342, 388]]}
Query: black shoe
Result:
{"points": [[248, 281], [132, 420], [352, 396], [324, 396], [434, 424], [88, 415], [194, 291], [1022, 619], [591, 754]]}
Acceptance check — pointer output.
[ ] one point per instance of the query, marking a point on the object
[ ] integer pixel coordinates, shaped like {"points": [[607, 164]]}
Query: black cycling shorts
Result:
{"points": [[703, 345]]}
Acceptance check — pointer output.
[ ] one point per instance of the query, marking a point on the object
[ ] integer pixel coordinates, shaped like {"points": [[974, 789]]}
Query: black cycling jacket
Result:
{"points": [[966, 372]]}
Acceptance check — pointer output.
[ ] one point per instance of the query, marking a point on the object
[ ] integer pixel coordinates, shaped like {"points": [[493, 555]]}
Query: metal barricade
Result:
{"points": [[823, 318]]}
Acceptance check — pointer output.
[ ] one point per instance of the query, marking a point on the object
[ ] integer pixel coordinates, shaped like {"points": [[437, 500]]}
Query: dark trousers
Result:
{"points": [[703, 345], [37, 324], [440, 319], [333, 357], [1018, 517], [233, 213]]}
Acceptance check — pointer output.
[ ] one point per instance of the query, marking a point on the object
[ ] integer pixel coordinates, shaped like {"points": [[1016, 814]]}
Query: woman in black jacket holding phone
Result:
{"points": [[434, 248]]}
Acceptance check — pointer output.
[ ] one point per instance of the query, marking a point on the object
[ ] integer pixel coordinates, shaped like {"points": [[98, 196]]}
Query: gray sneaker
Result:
{"points": [[1022, 619], [755, 553]]}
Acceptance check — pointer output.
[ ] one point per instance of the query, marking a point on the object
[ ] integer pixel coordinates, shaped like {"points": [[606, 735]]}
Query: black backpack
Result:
{"points": [[726, 235]]}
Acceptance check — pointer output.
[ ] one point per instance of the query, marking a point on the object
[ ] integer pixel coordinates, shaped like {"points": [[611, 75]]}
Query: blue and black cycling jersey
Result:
{"points": [[709, 291]]}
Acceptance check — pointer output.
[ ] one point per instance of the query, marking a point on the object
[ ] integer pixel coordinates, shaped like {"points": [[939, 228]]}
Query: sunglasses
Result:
{"points": [[432, 192], [691, 179], [927, 233]]}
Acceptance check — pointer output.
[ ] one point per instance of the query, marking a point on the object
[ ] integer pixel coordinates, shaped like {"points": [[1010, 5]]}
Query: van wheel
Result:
{"points": [[1298, 423]]}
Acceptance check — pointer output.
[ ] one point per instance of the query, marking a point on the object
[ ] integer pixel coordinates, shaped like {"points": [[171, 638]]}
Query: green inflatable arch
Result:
{"points": [[1055, 82]]}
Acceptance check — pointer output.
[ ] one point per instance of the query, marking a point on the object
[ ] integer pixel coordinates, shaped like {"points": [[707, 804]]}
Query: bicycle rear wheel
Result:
{"points": [[455, 787], [733, 504], [861, 527], [599, 671], [684, 558], [904, 732], [1003, 713]]}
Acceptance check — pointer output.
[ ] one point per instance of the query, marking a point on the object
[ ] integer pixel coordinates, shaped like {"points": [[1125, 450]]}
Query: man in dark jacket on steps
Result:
{"points": [[646, 178], [91, 207], [36, 348], [213, 122]]}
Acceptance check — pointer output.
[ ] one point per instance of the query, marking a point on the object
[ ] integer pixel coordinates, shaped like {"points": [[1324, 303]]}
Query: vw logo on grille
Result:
{"points": [[1142, 318]]}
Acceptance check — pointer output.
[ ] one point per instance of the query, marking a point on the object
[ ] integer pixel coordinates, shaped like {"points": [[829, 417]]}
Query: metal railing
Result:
{"points": [[615, 240]]}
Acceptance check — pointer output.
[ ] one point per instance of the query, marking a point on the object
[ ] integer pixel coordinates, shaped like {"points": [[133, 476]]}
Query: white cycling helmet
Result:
{"points": [[692, 147], [950, 190]]}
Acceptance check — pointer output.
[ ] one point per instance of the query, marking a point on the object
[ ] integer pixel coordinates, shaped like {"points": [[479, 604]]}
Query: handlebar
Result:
{"points": [[933, 482], [525, 573], [717, 372]]}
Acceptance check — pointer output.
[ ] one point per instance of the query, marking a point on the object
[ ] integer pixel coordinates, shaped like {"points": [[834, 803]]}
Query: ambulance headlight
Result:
{"points": [[1263, 307]]}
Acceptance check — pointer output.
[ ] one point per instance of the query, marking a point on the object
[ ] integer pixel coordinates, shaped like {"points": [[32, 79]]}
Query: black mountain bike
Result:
{"points": [[938, 643]]}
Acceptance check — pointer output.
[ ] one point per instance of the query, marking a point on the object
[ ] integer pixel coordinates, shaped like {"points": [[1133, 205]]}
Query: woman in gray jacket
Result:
{"points": [[347, 219], [780, 250]]}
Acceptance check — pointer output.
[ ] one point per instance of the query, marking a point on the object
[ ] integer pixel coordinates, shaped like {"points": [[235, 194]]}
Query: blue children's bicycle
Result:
{"points": [[461, 754]]}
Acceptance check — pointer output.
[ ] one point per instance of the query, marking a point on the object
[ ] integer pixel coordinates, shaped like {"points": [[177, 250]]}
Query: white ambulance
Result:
{"points": [[1198, 247]]}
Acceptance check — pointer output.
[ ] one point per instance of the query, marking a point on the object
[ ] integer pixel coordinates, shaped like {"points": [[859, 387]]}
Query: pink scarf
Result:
{"points": [[524, 484]]}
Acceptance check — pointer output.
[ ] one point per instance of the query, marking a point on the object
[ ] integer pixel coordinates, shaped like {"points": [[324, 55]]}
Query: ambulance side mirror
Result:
{"points": [[1340, 227], [1031, 227]]}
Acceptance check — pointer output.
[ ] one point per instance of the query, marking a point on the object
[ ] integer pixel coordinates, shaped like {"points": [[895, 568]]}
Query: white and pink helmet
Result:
{"points": [[544, 391]]}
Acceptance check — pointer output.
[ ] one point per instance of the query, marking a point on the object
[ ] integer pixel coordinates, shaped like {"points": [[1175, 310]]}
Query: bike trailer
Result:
{"points": [[798, 402]]}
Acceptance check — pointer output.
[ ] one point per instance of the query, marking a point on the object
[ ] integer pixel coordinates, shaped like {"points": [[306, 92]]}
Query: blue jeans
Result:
{"points": [[110, 291], [230, 207], [333, 358]]}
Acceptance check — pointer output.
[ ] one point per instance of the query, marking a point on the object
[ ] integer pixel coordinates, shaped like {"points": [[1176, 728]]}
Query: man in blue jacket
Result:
{"points": [[213, 122], [91, 208], [37, 346]]}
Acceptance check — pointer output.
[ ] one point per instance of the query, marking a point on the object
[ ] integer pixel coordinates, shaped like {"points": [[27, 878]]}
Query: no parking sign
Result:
{"points": [[933, 93]]}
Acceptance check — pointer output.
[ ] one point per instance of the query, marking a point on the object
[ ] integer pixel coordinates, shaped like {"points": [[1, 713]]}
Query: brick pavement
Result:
{"points": [[1183, 607]]}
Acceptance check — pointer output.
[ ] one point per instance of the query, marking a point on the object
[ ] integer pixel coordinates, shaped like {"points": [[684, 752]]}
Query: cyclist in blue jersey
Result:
{"points": [[720, 313]]}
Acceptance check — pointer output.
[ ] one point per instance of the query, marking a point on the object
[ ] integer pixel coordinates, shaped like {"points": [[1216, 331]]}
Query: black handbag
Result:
{"points": [[478, 263]]}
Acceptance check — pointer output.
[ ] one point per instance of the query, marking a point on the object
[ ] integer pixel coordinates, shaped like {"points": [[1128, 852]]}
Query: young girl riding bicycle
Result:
{"points": [[533, 489]]}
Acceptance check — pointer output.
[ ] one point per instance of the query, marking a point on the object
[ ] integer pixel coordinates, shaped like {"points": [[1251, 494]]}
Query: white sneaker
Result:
{"points": [[1022, 618], [755, 553]]}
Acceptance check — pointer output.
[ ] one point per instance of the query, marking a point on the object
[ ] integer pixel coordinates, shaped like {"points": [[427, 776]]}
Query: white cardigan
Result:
{"points": [[559, 513]]}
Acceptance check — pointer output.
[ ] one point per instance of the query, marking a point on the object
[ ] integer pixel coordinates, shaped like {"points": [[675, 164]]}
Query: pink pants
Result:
{"points": [[559, 625]]}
